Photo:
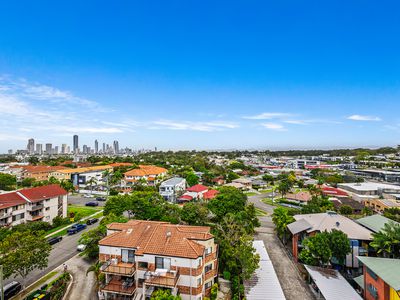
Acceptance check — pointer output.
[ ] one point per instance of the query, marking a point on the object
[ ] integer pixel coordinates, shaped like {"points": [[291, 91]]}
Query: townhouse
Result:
{"points": [[42, 203], [310, 224], [141, 257], [151, 175], [39, 173], [172, 188]]}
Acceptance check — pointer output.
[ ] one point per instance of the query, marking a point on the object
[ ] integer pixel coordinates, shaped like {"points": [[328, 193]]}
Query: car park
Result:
{"points": [[92, 221], [54, 240], [101, 199], [76, 228], [12, 289], [92, 203], [81, 247]]}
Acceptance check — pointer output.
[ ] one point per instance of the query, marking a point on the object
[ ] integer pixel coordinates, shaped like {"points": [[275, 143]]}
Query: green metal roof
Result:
{"points": [[388, 269], [374, 222], [360, 281]]}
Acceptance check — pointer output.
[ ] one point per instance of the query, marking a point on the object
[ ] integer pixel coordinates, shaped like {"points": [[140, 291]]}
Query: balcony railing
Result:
{"points": [[35, 217], [120, 268], [120, 286], [5, 215], [162, 277], [35, 207]]}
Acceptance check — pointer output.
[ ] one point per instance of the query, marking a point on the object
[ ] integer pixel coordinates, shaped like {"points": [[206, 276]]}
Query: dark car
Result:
{"points": [[91, 221], [76, 228], [92, 203], [54, 240], [11, 289], [101, 198]]}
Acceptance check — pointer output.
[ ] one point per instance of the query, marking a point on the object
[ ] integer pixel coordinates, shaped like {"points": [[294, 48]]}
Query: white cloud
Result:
{"points": [[363, 118], [268, 116], [195, 126], [274, 126]]}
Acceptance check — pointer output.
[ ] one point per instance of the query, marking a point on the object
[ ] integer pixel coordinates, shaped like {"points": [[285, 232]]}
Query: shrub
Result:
{"points": [[214, 291], [227, 275]]}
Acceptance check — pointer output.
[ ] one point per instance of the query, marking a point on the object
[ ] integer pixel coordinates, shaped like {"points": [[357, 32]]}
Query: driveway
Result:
{"points": [[293, 286]]}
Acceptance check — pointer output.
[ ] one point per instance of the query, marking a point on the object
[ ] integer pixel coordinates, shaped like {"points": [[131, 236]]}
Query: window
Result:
{"points": [[198, 281], [128, 256], [208, 251], [47, 208], [208, 285], [163, 263], [208, 268], [143, 264], [372, 274]]}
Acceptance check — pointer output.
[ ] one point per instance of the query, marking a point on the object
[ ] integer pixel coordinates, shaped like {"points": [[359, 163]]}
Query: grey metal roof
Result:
{"points": [[172, 181], [360, 281], [264, 284], [374, 223], [299, 226], [331, 284]]}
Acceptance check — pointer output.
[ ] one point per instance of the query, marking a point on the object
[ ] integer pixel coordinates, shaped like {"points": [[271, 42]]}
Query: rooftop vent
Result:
{"points": [[168, 234], [129, 231]]}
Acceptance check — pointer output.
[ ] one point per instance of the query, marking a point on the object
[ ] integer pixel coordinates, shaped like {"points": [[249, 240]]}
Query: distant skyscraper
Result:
{"points": [[85, 149], [31, 146], [39, 149], [76, 144], [10, 151], [64, 148], [68, 149], [104, 147], [96, 146], [116, 147], [49, 148], [55, 150]]}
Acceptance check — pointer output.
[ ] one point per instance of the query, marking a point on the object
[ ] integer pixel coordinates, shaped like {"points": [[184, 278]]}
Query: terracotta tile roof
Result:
{"points": [[210, 194], [120, 164], [85, 169], [186, 197], [43, 192], [159, 238], [197, 188], [41, 169], [300, 196], [10, 200], [146, 170]]}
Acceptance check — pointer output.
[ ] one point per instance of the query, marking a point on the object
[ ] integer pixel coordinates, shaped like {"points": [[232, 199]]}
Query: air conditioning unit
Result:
{"points": [[114, 261]]}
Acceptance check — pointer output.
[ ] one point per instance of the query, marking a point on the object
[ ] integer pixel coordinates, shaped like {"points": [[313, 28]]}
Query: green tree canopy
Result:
{"points": [[7, 182], [192, 179], [195, 213]]}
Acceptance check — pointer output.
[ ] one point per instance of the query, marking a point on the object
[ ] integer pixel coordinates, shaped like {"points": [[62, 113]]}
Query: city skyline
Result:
{"points": [[254, 76]]}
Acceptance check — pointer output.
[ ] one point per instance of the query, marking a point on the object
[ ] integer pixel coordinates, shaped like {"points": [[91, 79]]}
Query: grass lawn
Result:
{"points": [[265, 191], [261, 213], [37, 285], [82, 211], [251, 194], [269, 202]]}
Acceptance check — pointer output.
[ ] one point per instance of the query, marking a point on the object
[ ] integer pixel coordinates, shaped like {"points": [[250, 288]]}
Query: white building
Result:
{"points": [[42, 203], [141, 257], [172, 188]]}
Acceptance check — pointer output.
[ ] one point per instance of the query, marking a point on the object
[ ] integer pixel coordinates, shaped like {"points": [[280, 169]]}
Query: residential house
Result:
{"points": [[197, 192], [300, 197], [42, 203], [309, 224], [380, 279], [375, 223], [246, 182], [340, 201], [151, 175], [172, 188], [83, 176], [39, 173], [141, 257], [379, 205]]}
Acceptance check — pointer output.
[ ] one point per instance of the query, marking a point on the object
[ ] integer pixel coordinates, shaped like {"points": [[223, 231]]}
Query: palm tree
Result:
{"points": [[314, 190], [387, 241], [90, 182], [281, 219], [284, 187], [96, 268]]}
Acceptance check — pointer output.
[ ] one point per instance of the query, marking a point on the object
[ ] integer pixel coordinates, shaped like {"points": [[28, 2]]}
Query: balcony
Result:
{"points": [[162, 277], [35, 207], [120, 286], [210, 257], [119, 268], [210, 274], [35, 217], [5, 215]]}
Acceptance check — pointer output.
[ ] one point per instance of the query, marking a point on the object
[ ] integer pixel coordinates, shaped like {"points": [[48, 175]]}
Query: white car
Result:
{"points": [[81, 247], [87, 196]]}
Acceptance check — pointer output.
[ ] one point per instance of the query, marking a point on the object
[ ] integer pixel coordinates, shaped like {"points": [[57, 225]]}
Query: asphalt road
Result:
{"points": [[60, 253], [80, 200], [266, 221]]}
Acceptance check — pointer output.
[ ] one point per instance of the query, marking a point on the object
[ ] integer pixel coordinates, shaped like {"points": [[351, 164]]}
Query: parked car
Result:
{"points": [[91, 221], [87, 196], [92, 203], [101, 199], [81, 247], [76, 228], [54, 240], [11, 289]]}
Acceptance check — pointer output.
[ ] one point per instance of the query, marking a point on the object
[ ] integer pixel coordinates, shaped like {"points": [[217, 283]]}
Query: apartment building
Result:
{"points": [[38, 173], [146, 173], [172, 188], [81, 176], [140, 257], [42, 203]]}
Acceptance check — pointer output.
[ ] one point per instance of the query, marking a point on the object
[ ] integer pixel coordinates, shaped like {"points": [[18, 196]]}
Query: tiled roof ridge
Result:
{"points": [[191, 245], [150, 237]]}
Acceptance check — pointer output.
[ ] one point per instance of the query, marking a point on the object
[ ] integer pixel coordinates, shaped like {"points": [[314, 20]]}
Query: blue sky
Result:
{"points": [[201, 74]]}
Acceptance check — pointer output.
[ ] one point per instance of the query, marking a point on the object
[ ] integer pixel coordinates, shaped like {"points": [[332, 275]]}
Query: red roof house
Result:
{"points": [[198, 188]]}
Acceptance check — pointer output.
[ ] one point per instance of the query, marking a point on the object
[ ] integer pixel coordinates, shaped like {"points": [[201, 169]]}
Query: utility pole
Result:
{"points": [[1, 282]]}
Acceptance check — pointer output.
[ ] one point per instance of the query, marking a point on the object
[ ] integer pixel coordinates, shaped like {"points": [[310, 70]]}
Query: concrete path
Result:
{"points": [[83, 286]]}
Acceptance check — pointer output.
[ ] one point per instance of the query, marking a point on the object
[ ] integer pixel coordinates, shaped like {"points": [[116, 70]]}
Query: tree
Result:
{"points": [[387, 241], [228, 200], [284, 187], [232, 176], [194, 213], [367, 211], [317, 204], [339, 244], [316, 250], [281, 219], [33, 160], [22, 252], [7, 182], [28, 182], [269, 178], [67, 185], [346, 210], [164, 295], [192, 179]]}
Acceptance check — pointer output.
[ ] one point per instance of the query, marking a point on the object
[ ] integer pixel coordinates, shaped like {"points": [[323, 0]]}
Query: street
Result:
{"points": [[78, 199], [60, 253]]}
